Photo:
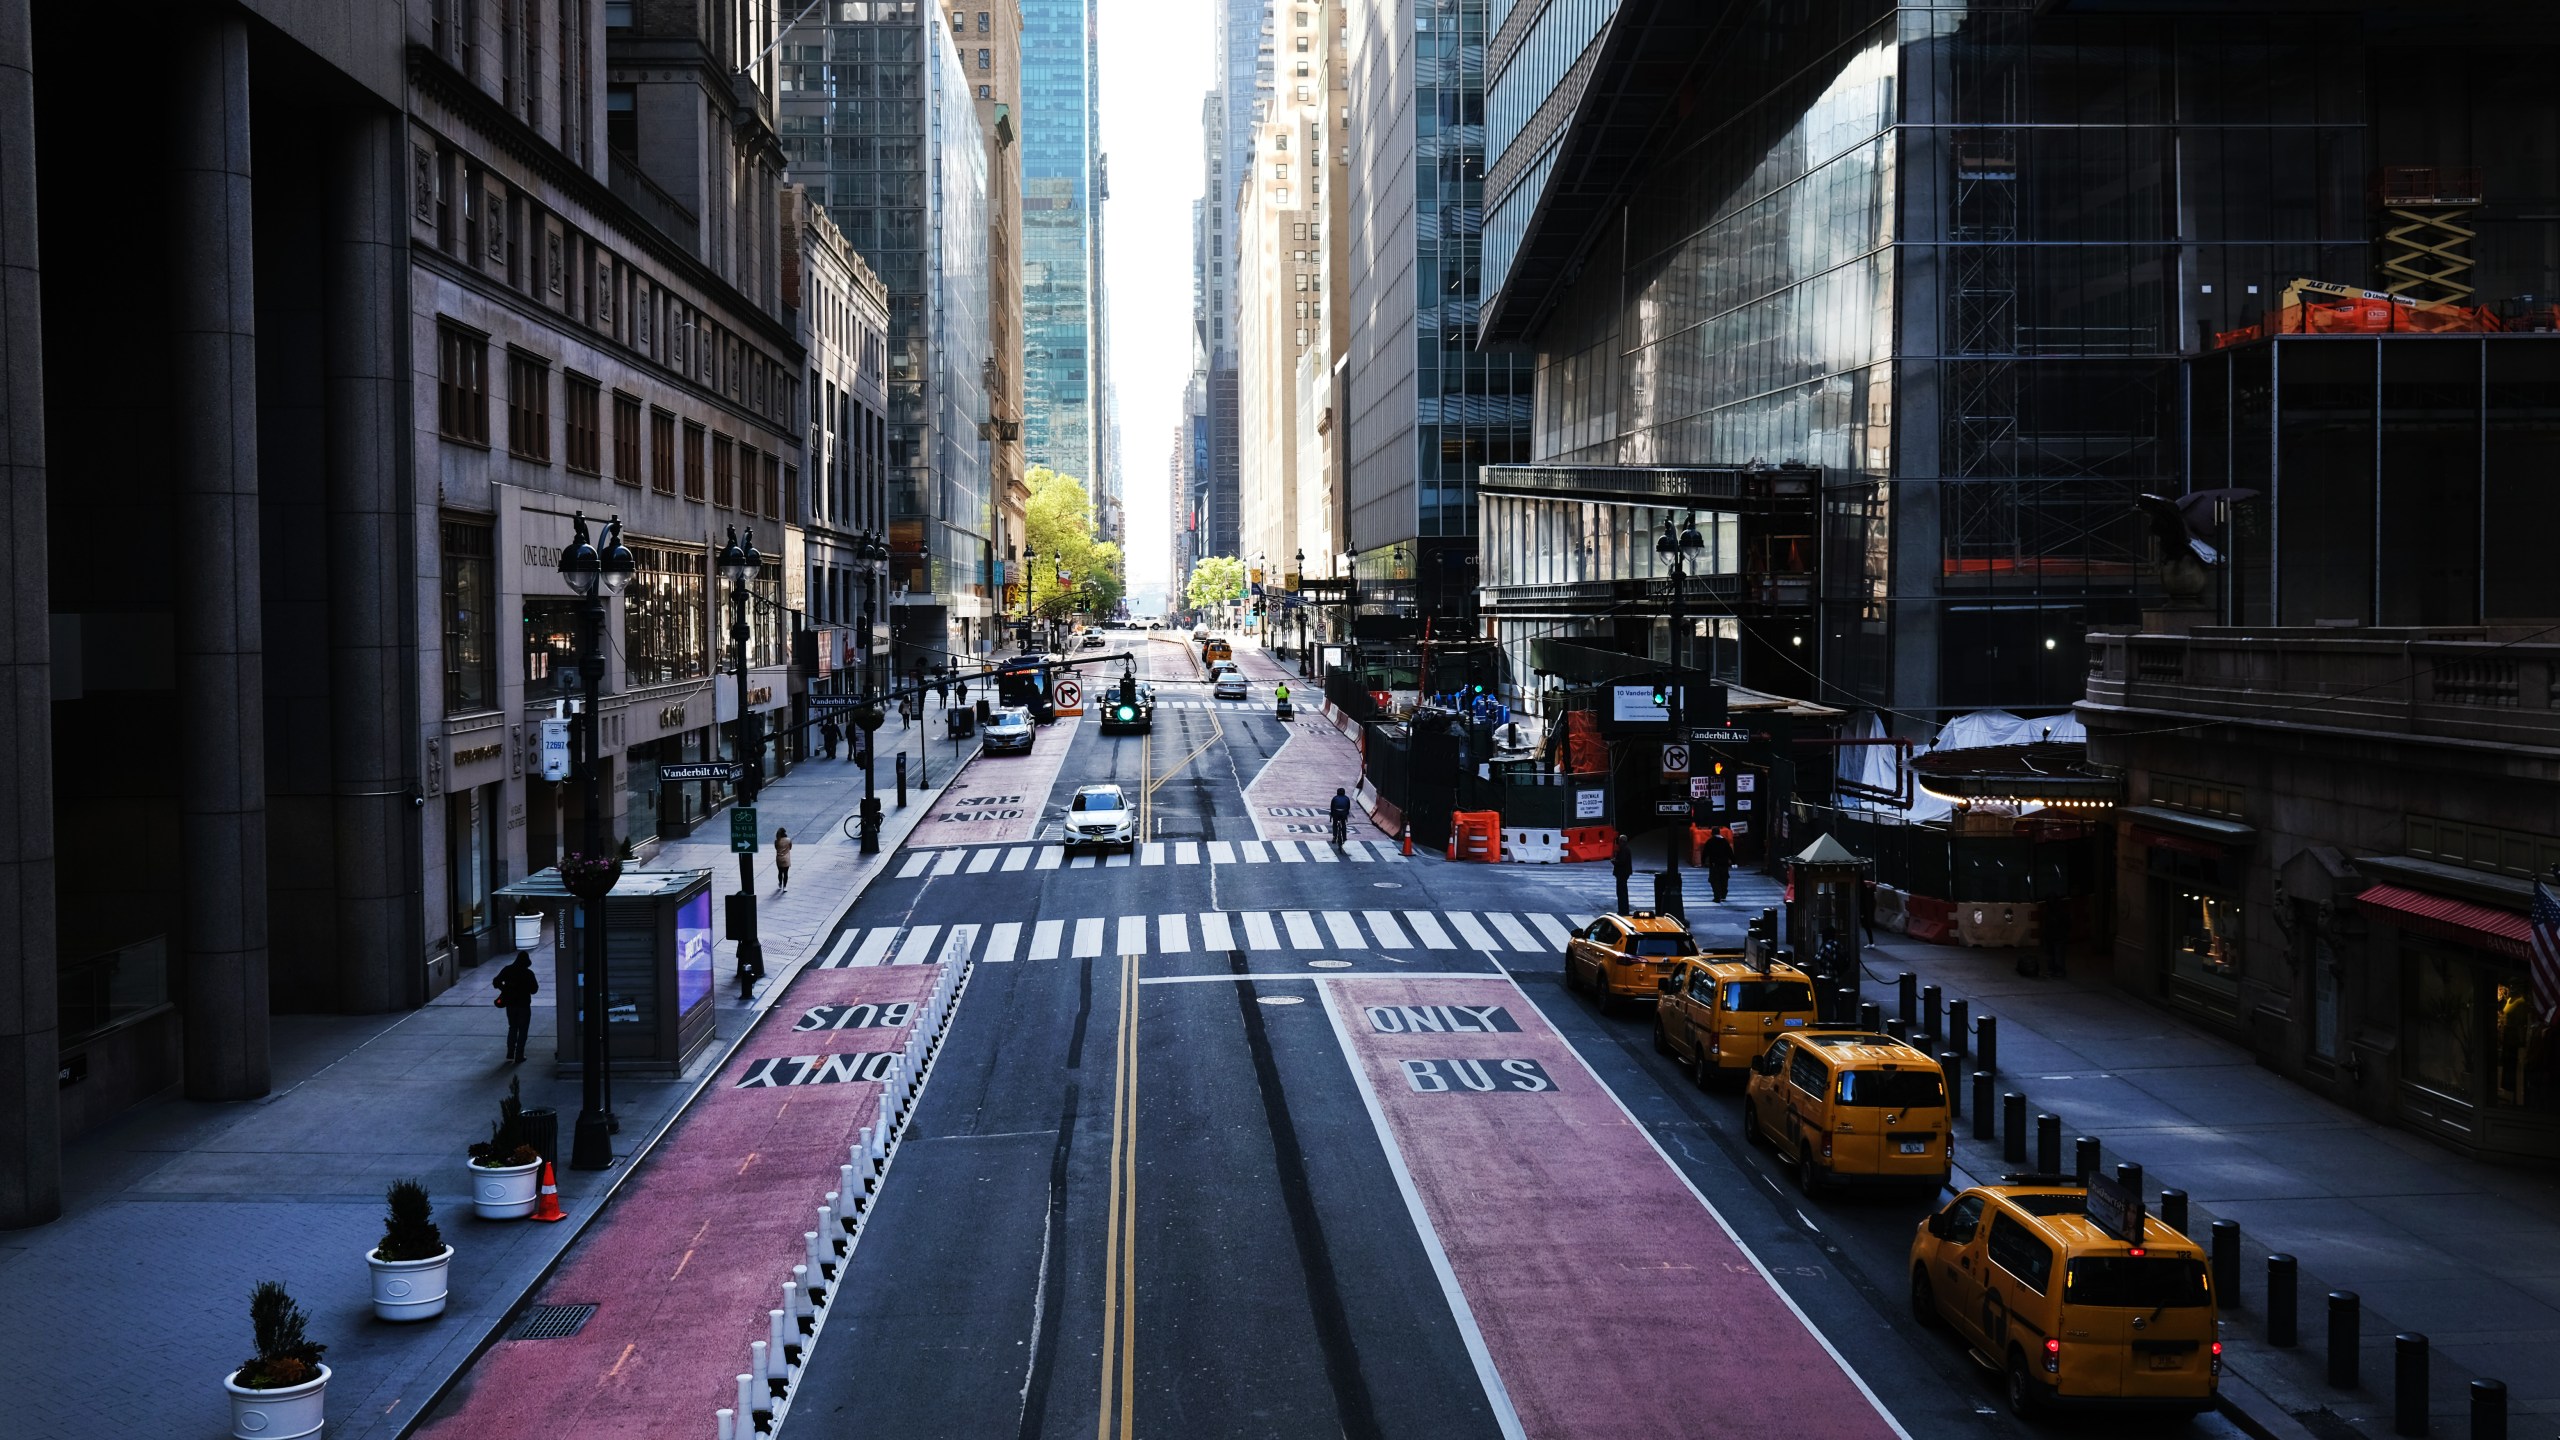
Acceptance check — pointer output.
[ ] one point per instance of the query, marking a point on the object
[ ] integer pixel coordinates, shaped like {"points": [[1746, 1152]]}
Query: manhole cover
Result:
{"points": [[1330, 964], [552, 1322], [1281, 999]]}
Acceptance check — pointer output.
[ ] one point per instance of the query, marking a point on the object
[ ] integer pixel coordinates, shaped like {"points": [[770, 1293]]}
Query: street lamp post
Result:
{"points": [[740, 563], [872, 552], [1675, 547], [597, 576]]}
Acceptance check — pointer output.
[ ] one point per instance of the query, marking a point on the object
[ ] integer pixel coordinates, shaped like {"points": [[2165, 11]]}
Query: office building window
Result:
{"points": [[626, 438], [773, 487], [582, 404], [462, 385], [550, 641], [470, 603], [528, 406], [665, 616], [662, 452], [982, 22], [983, 61], [724, 477], [791, 493], [692, 461]]}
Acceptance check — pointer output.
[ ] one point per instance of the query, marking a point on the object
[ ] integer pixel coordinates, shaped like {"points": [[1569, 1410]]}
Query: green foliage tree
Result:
{"points": [[1216, 580], [1059, 528]]}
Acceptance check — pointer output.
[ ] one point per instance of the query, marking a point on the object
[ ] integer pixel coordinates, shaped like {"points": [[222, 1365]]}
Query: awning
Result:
{"points": [[2178, 830], [2499, 932]]}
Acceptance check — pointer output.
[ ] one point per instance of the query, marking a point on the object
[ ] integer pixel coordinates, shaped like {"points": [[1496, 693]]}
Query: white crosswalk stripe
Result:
{"points": [[1170, 933], [982, 862], [973, 860]]}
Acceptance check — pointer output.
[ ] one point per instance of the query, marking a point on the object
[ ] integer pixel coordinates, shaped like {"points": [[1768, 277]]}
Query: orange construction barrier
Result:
{"points": [[1590, 842], [1585, 753], [1475, 835]]}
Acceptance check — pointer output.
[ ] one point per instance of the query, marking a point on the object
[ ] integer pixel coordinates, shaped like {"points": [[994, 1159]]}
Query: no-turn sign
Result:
{"points": [[1675, 759], [1069, 695]]}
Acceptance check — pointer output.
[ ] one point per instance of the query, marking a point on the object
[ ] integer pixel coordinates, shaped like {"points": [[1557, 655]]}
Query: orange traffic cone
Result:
{"points": [[548, 1206]]}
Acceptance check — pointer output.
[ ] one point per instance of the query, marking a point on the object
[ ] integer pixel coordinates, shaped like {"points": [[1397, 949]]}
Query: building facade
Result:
{"points": [[1425, 403], [990, 45], [842, 317], [1063, 364], [885, 135]]}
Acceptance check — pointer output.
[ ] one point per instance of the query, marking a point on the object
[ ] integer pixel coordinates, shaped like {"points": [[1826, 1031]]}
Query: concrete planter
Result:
{"points": [[278, 1414], [409, 1289], [505, 1192], [528, 931]]}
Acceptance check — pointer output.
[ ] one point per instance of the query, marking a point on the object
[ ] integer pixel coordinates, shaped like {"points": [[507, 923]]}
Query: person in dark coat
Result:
{"points": [[832, 734], [1622, 863], [1718, 855], [516, 986]]}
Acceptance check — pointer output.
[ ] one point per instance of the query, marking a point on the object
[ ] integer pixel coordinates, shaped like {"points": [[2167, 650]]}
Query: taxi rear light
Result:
{"points": [[2052, 1356], [2135, 1251], [2217, 1357]]}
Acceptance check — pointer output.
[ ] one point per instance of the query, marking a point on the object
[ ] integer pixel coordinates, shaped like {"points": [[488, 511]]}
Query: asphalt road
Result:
{"points": [[1181, 1173]]}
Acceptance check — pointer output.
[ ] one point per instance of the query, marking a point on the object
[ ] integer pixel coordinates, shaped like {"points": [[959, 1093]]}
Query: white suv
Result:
{"points": [[1100, 816]]}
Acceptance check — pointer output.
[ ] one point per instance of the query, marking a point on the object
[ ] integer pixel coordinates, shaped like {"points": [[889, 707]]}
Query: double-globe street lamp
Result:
{"points": [[597, 575], [740, 563], [1676, 547], [872, 553]]}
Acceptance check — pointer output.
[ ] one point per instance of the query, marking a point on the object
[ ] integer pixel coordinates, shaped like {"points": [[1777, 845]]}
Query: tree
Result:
{"points": [[1058, 526], [1216, 580]]}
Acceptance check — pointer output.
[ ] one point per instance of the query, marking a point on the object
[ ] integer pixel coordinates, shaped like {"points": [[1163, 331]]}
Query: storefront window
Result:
{"points": [[641, 805], [551, 627], [2198, 905], [666, 634], [2528, 1069], [2441, 1014]]}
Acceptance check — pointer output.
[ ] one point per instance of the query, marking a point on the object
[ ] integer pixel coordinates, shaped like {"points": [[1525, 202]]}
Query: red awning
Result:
{"points": [[2499, 932]]}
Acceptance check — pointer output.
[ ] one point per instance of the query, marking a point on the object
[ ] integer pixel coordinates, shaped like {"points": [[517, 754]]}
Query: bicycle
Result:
{"points": [[1341, 830]]}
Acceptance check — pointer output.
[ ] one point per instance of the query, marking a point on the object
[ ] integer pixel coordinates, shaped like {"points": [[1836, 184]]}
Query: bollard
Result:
{"points": [[781, 1334], [2226, 1262], [747, 1406], [2084, 1158], [1899, 1029], [795, 1297], [2173, 1210], [2129, 1176], [760, 1360], [1986, 1042], [2049, 1144], [2284, 1329], [1870, 1015], [1958, 1021], [2409, 1384], [1929, 995], [902, 780], [2013, 1128], [2346, 1334], [1906, 988], [1947, 1062], [2488, 1410], [728, 1423], [1984, 1117]]}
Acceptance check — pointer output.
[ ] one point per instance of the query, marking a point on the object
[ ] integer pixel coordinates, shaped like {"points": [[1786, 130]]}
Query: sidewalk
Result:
{"points": [[172, 1214], [2466, 1253]]}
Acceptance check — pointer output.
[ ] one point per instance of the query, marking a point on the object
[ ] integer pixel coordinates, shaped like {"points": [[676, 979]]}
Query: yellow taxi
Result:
{"points": [[1625, 957], [1852, 1107], [2072, 1294], [1719, 1011]]}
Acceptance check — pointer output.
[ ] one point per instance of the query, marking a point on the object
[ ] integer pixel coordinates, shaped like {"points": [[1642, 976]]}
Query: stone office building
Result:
{"points": [[304, 386]]}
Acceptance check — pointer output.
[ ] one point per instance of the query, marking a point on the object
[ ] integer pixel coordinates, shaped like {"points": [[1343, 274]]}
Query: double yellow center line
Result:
{"points": [[1120, 1251]]}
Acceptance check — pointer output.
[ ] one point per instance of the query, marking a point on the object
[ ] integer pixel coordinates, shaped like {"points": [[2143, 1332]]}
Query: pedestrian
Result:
{"points": [[941, 691], [1622, 863], [782, 856], [1718, 855], [2057, 934], [828, 735], [516, 986]]}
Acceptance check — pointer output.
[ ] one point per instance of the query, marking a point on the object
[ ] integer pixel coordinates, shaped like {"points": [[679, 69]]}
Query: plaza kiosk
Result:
{"points": [[658, 980], [1826, 886]]}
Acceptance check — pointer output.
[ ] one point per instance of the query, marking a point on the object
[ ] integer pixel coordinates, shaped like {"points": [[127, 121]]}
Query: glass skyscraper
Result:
{"points": [[1062, 359]]}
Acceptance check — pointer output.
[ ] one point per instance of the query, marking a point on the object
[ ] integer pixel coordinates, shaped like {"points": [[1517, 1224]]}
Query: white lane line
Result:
{"points": [[1152, 854], [1313, 975], [1476, 936], [1050, 858], [1001, 941], [1302, 930], [983, 861], [1186, 852], [915, 866], [1345, 930], [1427, 925], [1215, 934], [919, 946], [1512, 931], [1495, 1393], [1258, 934], [1389, 933], [1016, 858], [951, 861], [1552, 928], [1133, 935], [875, 946], [1173, 934], [1088, 938], [1252, 853], [1044, 939], [1287, 850], [835, 952], [1221, 853]]}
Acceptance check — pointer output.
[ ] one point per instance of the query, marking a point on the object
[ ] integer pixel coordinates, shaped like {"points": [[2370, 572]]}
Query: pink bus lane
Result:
{"points": [[1605, 1294], [685, 1262], [1289, 798], [999, 799]]}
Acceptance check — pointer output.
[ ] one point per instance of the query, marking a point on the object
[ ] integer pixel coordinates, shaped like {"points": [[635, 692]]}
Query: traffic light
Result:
{"points": [[1719, 769], [1662, 695], [1125, 712]]}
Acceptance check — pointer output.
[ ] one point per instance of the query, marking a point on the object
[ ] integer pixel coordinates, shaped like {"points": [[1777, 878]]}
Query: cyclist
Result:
{"points": [[1341, 816]]}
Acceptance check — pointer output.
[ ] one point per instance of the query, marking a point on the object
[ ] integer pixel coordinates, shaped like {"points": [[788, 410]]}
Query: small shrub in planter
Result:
{"points": [[281, 1391], [410, 1265], [506, 1169]]}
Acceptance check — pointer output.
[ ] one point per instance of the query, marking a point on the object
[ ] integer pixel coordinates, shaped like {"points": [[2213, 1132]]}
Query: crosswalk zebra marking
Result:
{"points": [[915, 866], [1427, 925], [1359, 850], [835, 953], [1089, 937], [1215, 933], [1258, 934], [875, 947], [1173, 933], [1001, 940], [1115, 862], [1389, 933], [1049, 859], [919, 945], [1017, 857], [1251, 852], [957, 945], [950, 864], [1221, 853], [1345, 932], [1476, 936], [1152, 853], [1302, 930], [1550, 927], [1511, 930], [1287, 850], [985, 861], [1186, 852], [1322, 854], [1044, 939], [1133, 935]]}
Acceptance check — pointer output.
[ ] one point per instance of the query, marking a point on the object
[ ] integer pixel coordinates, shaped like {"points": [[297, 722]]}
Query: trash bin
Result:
{"points": [[543, 1124]]}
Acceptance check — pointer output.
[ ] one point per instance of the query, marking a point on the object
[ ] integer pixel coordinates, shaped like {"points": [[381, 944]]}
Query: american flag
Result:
{"points": [[2546, 952]]}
